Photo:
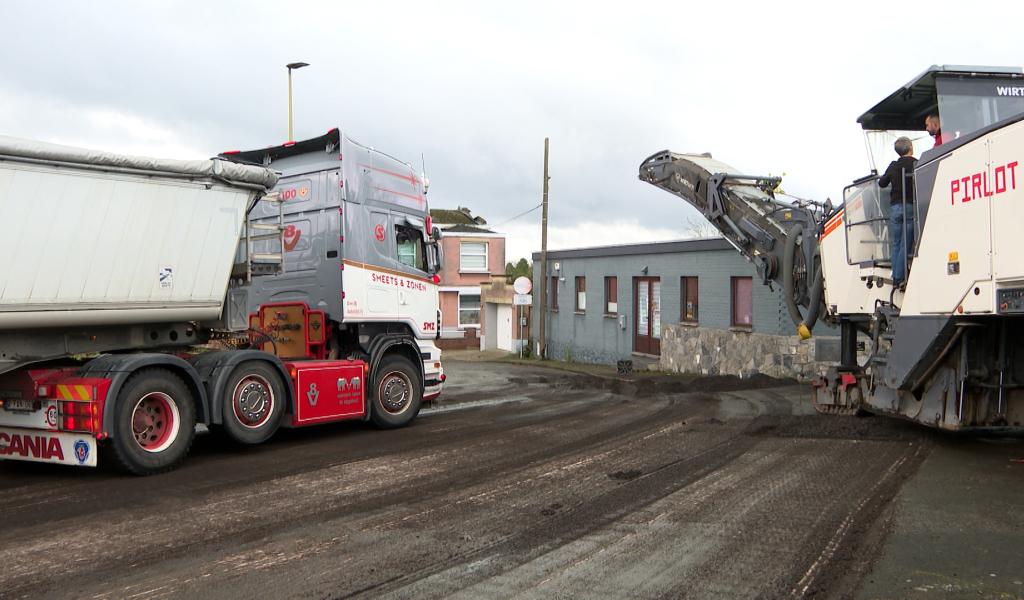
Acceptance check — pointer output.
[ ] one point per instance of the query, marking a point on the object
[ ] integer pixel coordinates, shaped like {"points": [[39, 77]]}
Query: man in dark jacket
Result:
{"points": [[900, 176]]}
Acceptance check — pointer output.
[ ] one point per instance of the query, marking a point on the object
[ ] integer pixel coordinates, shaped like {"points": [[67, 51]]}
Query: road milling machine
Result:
{"points": [[946, 349]]}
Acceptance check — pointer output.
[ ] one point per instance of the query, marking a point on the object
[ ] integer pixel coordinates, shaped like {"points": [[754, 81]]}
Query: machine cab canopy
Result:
{"points": [[966, 98]]}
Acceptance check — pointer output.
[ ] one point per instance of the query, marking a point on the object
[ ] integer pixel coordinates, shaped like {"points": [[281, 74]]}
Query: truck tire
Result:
{"points": [[254, 400], [154, 422], [397, 393]]}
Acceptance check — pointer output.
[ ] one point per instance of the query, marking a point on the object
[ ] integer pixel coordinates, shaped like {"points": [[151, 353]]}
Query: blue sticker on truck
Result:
{"points": [[82, 451]]}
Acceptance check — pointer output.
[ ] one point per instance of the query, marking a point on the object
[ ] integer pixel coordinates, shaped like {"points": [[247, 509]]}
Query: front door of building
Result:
{"points": [[504, 327], [647, 315]]}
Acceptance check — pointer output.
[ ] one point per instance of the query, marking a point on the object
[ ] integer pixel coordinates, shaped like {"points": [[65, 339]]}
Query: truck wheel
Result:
{"points": [[253, 402], [154, 422], [397, 393]]}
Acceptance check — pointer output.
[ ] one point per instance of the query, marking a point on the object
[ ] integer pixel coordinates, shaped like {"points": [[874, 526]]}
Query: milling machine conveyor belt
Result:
{"points": [[745, 210]]}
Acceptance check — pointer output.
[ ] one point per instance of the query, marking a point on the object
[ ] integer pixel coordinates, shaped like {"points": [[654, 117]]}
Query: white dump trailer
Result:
{"points": [[95, 238]]}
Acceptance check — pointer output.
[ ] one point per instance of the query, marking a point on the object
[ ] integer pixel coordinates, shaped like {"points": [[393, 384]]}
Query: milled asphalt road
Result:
{"points": [[527, 482], [958, 530]]}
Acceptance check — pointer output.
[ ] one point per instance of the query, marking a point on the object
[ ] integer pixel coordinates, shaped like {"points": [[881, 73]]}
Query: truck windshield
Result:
{"points": [[969, 104]]}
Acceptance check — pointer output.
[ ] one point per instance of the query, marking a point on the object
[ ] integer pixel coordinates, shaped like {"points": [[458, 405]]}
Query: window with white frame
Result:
{"points": [[473, 257], [469, 310]]}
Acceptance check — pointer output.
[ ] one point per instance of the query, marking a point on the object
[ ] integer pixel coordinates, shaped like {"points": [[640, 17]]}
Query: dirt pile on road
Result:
{"points": [[866, 427], [644, 385]]}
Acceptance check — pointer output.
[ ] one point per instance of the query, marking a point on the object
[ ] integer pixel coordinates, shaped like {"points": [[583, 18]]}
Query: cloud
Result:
{"points": [[474, 89], [93, 127], [523, 239]]}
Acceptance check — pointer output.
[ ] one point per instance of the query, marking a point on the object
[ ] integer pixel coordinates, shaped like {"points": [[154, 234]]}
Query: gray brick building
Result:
{"points": [[612, 302]]}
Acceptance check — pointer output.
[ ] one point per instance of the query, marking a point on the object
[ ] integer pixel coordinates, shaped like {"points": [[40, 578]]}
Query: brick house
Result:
{"points": [[474, 257]]}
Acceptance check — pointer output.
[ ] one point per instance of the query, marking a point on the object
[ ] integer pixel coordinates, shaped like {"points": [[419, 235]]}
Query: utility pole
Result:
{"points": [[544, 260]]}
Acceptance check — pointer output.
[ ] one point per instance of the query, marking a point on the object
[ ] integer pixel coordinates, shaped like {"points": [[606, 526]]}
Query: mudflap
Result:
{"points": [[36, 445]]}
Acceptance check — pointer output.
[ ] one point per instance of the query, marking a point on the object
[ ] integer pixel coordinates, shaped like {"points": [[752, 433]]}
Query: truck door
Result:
{"points": [[417, 295], [382, 282]]}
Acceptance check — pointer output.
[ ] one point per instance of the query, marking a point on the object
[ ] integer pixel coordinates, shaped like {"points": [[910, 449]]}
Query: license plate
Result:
{"points": [[19, 404]]}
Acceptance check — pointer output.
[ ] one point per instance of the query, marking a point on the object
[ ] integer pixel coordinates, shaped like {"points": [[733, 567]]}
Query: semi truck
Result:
{"points": [[945, 348], [288, 286]]}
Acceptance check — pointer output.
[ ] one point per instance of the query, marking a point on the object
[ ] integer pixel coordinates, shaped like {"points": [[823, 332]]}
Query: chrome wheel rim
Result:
{"points": [[253, 401], [395, 392]]}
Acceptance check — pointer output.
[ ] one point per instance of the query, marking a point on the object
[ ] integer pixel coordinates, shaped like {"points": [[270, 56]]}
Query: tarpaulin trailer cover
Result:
{"points": [[14, 148], [97, 238]]}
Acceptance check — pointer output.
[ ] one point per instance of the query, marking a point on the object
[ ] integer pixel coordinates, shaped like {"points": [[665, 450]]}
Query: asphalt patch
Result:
{"points": [[625, 475], [551, 509]]}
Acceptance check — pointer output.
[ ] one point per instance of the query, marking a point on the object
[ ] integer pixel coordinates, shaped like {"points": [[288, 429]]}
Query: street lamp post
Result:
{"points": [[294, 65]]}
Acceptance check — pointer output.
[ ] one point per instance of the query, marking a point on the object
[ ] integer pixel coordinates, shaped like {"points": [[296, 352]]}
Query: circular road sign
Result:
{"points": [[522, 285]]}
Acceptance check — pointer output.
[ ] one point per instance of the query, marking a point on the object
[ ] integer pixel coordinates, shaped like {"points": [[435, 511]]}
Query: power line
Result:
{"points": [[522, 214]]}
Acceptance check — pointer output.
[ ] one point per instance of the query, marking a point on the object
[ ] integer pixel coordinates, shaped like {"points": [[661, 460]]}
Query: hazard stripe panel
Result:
{"points": [[74, 392]]}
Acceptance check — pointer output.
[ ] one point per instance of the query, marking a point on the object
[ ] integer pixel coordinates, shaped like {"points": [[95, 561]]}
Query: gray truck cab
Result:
{"points": [[357, 243]]}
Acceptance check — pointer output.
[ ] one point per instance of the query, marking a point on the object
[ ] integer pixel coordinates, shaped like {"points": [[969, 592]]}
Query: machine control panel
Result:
{"points": [[1010, 301]]}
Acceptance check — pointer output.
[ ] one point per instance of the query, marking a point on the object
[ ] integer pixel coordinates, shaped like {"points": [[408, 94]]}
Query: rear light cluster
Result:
{"points": [[79, 416]]}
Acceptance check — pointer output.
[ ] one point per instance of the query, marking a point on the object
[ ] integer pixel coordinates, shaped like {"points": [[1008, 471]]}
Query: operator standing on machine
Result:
{"points": [[900, 175]]}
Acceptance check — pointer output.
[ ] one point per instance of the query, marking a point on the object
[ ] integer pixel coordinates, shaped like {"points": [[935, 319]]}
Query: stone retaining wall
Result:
{"points": [[707, 351]]}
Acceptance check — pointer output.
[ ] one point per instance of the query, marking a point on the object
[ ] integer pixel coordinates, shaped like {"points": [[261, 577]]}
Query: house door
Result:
{"points": [[647, 315], [504, 327]]}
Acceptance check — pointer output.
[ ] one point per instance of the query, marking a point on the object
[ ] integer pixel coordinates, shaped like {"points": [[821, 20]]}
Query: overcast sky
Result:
{"points": [[768, 87]]}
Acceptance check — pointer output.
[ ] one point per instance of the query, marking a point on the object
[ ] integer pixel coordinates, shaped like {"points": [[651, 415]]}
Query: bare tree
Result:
{"points": [[699, 227]]}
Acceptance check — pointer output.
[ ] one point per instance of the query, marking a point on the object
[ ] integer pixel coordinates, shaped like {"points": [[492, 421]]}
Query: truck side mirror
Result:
{"points": [[437, 256], [436, 234]]}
